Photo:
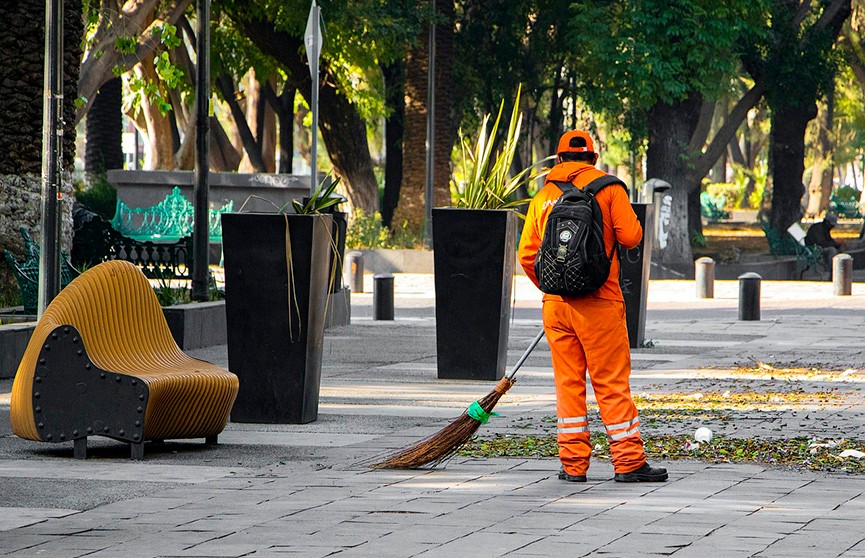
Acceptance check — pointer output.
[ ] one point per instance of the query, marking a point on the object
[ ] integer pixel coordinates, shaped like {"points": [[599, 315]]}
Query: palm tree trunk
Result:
{"points": [[104, 145]]}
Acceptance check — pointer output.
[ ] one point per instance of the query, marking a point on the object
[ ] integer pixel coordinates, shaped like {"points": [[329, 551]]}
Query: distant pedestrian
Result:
{"points": [[820, 234], [589, 332]]}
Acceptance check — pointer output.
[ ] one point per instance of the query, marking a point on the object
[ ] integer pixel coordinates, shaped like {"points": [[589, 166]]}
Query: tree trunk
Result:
{"points": [[671, 127], [787, 162], [394, 84], [283, 107], [251, 147], [158, 153], [413, 191], [104, 145], [820, 185], [342, 128]]}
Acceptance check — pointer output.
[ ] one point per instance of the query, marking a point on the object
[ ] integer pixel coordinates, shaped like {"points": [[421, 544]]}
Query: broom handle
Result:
{"points": [[526, 354]]}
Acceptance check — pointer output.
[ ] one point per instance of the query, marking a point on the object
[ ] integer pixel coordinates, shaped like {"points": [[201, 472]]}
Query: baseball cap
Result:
{"points": [[576, 141]]}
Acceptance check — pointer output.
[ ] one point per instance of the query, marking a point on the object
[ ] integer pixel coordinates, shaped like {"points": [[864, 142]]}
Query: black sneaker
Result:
{"points": [[646, 473], [571, 478]]}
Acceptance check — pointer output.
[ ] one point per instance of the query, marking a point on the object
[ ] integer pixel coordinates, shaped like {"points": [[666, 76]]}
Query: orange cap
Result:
{"points": [[583, 143]]}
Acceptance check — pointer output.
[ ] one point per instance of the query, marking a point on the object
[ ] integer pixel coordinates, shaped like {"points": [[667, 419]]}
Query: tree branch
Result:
{"points": [[725, 134]]}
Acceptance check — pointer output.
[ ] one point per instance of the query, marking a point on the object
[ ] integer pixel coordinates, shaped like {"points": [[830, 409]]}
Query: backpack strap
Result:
{"points": [[564, 185], [602, 182], [592, 187]]}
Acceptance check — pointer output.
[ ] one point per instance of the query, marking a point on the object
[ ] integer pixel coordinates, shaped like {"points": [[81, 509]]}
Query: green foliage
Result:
{"points": [[367, 232], [732, 192], [126, 44], [169, 75], [758, 175], [324, 197], [802, 452], [798, 61], [698, 240], [636, 54], [481, 182], [100, 196], [847, 194]]}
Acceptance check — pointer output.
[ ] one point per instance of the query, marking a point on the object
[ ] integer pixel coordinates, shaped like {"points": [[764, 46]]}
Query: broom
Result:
{"points": [[436, 448]]}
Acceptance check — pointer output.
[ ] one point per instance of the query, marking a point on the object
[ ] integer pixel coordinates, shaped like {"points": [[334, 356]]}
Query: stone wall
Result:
{"points": [[21, 206]]}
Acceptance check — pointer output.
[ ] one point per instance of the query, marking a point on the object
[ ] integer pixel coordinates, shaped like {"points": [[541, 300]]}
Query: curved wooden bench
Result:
{"points": [[102, 362]]}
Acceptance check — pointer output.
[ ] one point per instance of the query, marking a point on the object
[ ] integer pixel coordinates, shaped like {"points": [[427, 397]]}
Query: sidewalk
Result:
{"points": [[275, 490]]}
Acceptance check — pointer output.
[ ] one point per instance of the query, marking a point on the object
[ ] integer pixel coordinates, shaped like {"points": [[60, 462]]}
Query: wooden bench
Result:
{"points": [[167, 221], [102, 362]]}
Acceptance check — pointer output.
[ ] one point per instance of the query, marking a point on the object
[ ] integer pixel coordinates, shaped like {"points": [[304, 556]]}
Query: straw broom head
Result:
{"points": [[441, 445]]}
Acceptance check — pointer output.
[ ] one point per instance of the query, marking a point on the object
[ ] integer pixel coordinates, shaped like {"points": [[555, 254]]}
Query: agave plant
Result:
{"points": [[486, 182], [324, 197]]}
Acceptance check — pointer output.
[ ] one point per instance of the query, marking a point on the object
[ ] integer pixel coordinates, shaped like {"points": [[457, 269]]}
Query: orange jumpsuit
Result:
{"points": [[589, 332]]}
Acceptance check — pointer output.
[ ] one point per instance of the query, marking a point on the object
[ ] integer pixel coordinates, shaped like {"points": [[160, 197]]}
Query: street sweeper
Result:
{"points": [[575, 228]]}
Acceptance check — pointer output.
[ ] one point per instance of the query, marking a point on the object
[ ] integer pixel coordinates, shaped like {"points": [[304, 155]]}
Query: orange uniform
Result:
{"points": [[589, 332]]}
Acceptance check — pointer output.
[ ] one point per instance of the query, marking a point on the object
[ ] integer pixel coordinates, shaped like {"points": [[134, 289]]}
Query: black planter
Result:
{"points": [[474, 258], [275, 332]]}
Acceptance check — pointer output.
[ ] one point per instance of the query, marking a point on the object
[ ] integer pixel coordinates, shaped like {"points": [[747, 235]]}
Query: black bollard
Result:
{"points": [[749, 296], [382, 296], [354, 270]]}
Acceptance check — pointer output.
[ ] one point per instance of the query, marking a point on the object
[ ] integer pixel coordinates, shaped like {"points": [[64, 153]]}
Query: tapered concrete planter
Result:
{"points": [[276, 286], [474, 268], [13, 343], [197, 324]]}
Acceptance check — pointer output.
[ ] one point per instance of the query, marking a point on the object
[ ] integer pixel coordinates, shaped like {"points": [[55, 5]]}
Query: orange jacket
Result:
{"points": [[620, 222]]}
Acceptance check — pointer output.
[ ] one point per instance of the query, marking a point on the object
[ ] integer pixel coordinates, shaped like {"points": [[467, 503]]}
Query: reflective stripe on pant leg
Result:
{"points": [[608, 357], [569, 368]]}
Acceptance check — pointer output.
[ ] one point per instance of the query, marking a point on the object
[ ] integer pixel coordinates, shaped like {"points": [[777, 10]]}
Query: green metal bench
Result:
{"points": [[168, 221], [27, 272], [96, 240], [848, 209], [712, 207], [807, 257]]}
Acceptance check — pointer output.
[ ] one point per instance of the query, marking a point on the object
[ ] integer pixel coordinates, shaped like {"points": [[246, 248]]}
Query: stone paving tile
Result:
{"points": [[493, 544], [16, 541]]}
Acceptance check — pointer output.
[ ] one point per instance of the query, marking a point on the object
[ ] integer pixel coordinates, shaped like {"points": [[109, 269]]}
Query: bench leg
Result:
{"points": [[137, 450], [80, 449], [212, 440]]}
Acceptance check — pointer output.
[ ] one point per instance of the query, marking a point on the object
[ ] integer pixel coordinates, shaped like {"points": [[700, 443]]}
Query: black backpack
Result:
{"points": [[572, 260]]}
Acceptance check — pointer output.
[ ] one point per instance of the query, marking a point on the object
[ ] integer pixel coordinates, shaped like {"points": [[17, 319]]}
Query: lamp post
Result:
{"points": [[429, 190], [52, 155], [200, 194]]}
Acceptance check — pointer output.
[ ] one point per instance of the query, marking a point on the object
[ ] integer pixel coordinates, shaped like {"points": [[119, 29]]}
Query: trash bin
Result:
{"points": [[634, 279]]}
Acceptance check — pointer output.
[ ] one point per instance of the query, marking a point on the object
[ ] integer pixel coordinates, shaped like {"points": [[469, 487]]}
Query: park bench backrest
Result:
{"points": [[168, 221], [27, 272]]}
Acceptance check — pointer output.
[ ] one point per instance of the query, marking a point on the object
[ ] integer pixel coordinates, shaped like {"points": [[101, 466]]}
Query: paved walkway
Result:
{"points": [[275, 490]]}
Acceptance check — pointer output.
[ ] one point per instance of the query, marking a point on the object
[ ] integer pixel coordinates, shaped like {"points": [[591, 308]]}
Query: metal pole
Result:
{"points": [[313, 152], [201, 229], [52, 155], [430, 134]]}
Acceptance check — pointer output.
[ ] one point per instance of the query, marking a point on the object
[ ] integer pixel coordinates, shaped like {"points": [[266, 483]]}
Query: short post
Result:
{"points": [[749, 296], [704, 272], [842, 275], [382, 296], [355, 271]]}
